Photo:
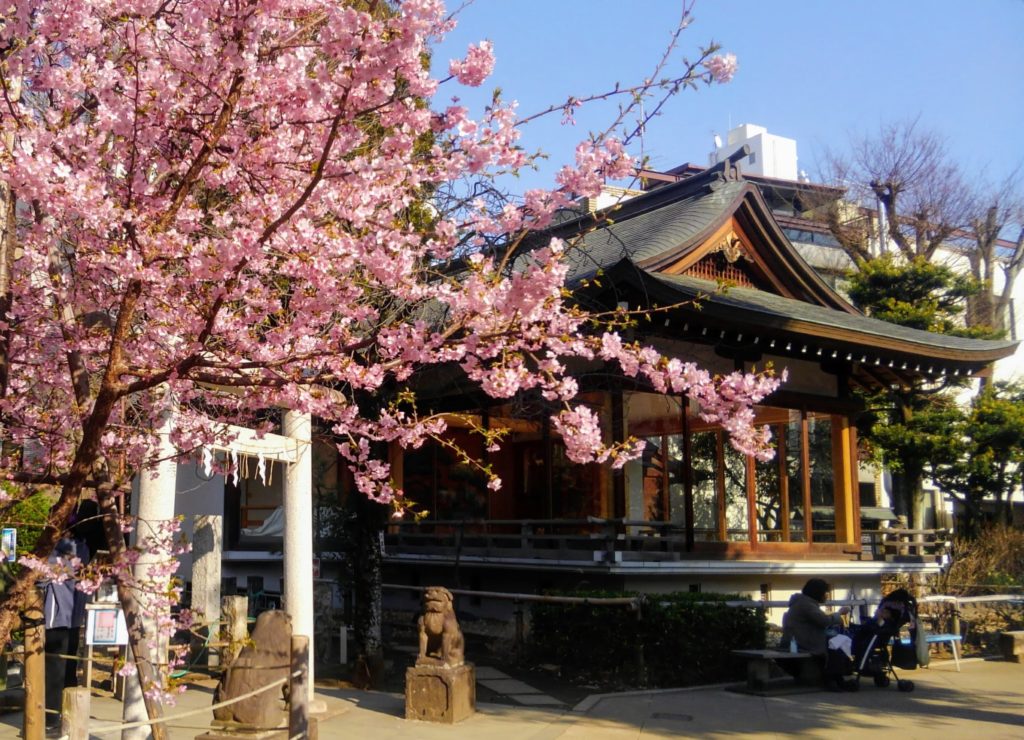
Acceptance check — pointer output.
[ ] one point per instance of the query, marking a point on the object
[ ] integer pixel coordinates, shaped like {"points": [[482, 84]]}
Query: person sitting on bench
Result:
{"points": [[806, 623]]}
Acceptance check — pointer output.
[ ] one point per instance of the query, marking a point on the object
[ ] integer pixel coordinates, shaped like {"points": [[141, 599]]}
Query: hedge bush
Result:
{"points": [[684, 639]]}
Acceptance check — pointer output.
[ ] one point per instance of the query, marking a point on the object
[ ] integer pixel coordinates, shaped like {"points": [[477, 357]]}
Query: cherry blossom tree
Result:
{"points": [[219, 208]]}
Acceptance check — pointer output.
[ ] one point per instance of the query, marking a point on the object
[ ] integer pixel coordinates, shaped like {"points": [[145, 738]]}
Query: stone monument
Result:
{"points": [[441, 687], [207, 552], [267, 659]]}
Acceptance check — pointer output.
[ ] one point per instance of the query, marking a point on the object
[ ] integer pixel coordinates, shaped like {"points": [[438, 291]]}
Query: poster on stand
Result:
{"points": [[105, 626]]}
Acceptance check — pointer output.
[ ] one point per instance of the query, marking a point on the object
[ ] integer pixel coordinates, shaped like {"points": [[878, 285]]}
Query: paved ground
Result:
{"points": [[985, 700]]}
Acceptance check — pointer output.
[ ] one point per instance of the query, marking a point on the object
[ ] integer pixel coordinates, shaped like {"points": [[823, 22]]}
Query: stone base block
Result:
{"points": [[1011, 644], [241, 735], [235, 731], [440, 694]]}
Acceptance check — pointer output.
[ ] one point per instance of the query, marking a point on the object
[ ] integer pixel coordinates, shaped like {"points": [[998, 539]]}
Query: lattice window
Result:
{"points": [[717, 267]]}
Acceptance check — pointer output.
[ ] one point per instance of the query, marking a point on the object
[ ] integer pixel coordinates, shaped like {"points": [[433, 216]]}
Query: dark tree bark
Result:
{"points": [[367, 576]]}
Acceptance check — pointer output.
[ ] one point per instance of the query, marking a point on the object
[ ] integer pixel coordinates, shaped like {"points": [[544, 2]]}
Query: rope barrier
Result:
{"points": [[106, 729]]}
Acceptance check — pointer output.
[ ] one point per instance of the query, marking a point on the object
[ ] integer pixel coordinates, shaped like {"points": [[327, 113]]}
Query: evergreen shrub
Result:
{"points": [[684, 639]]}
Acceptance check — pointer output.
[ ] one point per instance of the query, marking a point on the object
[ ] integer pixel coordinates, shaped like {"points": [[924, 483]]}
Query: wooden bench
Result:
{"points": [[759, 666]]}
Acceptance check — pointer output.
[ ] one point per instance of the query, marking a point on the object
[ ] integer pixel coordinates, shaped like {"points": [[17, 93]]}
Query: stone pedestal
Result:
{"points": [[232, 731], [440, 693]]}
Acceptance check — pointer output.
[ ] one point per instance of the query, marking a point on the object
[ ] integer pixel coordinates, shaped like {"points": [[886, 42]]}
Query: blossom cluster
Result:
{"points": [[722, 67]]}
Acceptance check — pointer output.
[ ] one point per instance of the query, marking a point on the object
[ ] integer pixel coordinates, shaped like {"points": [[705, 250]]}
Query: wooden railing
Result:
{"points": [[906, 545], [614, 540]]}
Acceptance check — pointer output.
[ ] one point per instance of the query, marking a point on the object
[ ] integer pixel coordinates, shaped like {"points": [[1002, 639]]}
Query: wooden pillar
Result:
{"points": [[485, 458], [688, 474], [547, 451], [855, 473], [751, 470], [75, 713], [781, 454], [805, 474], [35, 669], [663, 498], [720, 501], [618, 475], [842, 468]]}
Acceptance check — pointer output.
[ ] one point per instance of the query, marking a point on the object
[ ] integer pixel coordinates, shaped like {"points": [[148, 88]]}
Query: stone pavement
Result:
{"points": [[514, 689], [985, 700]]}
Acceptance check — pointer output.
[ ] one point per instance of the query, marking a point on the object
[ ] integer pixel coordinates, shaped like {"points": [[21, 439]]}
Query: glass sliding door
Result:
{"points": [[770, 491], [704, 451], [735, 498], [822, 478], [737, 504]]}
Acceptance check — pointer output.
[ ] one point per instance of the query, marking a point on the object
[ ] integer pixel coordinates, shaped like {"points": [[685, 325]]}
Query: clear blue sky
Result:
{"points": [[817, 71]]}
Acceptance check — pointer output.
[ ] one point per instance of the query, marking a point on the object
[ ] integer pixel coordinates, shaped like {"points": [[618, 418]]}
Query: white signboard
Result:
{"points": [[105, 625]]}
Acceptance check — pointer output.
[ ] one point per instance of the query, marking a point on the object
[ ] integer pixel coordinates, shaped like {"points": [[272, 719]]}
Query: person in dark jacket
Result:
{"points": [[87, 531], [806, 622], [58, 609]]}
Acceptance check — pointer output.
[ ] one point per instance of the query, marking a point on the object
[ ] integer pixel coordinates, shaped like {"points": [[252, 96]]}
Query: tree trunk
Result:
{"points": [[901, 496], [8, 233], [367, 579]]}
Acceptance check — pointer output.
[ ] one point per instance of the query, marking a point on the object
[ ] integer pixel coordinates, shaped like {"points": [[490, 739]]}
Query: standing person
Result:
{"points": [[58, 608], [806, 623]]}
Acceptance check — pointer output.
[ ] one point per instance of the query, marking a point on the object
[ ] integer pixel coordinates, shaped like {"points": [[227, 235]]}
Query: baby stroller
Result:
{"points": [[877, 647]]}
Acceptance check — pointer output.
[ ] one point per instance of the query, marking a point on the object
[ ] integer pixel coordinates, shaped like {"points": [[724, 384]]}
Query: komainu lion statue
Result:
{"points": [[266, 660], [441, 641]]}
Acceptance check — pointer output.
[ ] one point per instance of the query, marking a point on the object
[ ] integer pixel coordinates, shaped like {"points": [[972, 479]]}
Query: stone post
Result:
{"points": [[298, 532], [207, 548], [157, 485]]}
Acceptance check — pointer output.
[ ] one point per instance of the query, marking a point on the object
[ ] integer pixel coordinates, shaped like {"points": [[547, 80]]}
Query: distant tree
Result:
{"points": [[930, 252], [978, 454], [904, 194], [915, 293], [904, 425]]}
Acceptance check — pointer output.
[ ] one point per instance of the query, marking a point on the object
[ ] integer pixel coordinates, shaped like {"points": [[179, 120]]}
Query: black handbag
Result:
{"points": [[904, 655]]}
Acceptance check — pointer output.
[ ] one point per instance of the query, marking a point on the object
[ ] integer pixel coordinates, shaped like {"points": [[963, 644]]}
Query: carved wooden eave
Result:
{"points": [[748, 231]]}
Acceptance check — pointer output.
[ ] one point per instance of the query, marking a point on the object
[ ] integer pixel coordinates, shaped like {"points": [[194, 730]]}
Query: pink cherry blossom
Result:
{"points": [[477, 65], [722, 67]]}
